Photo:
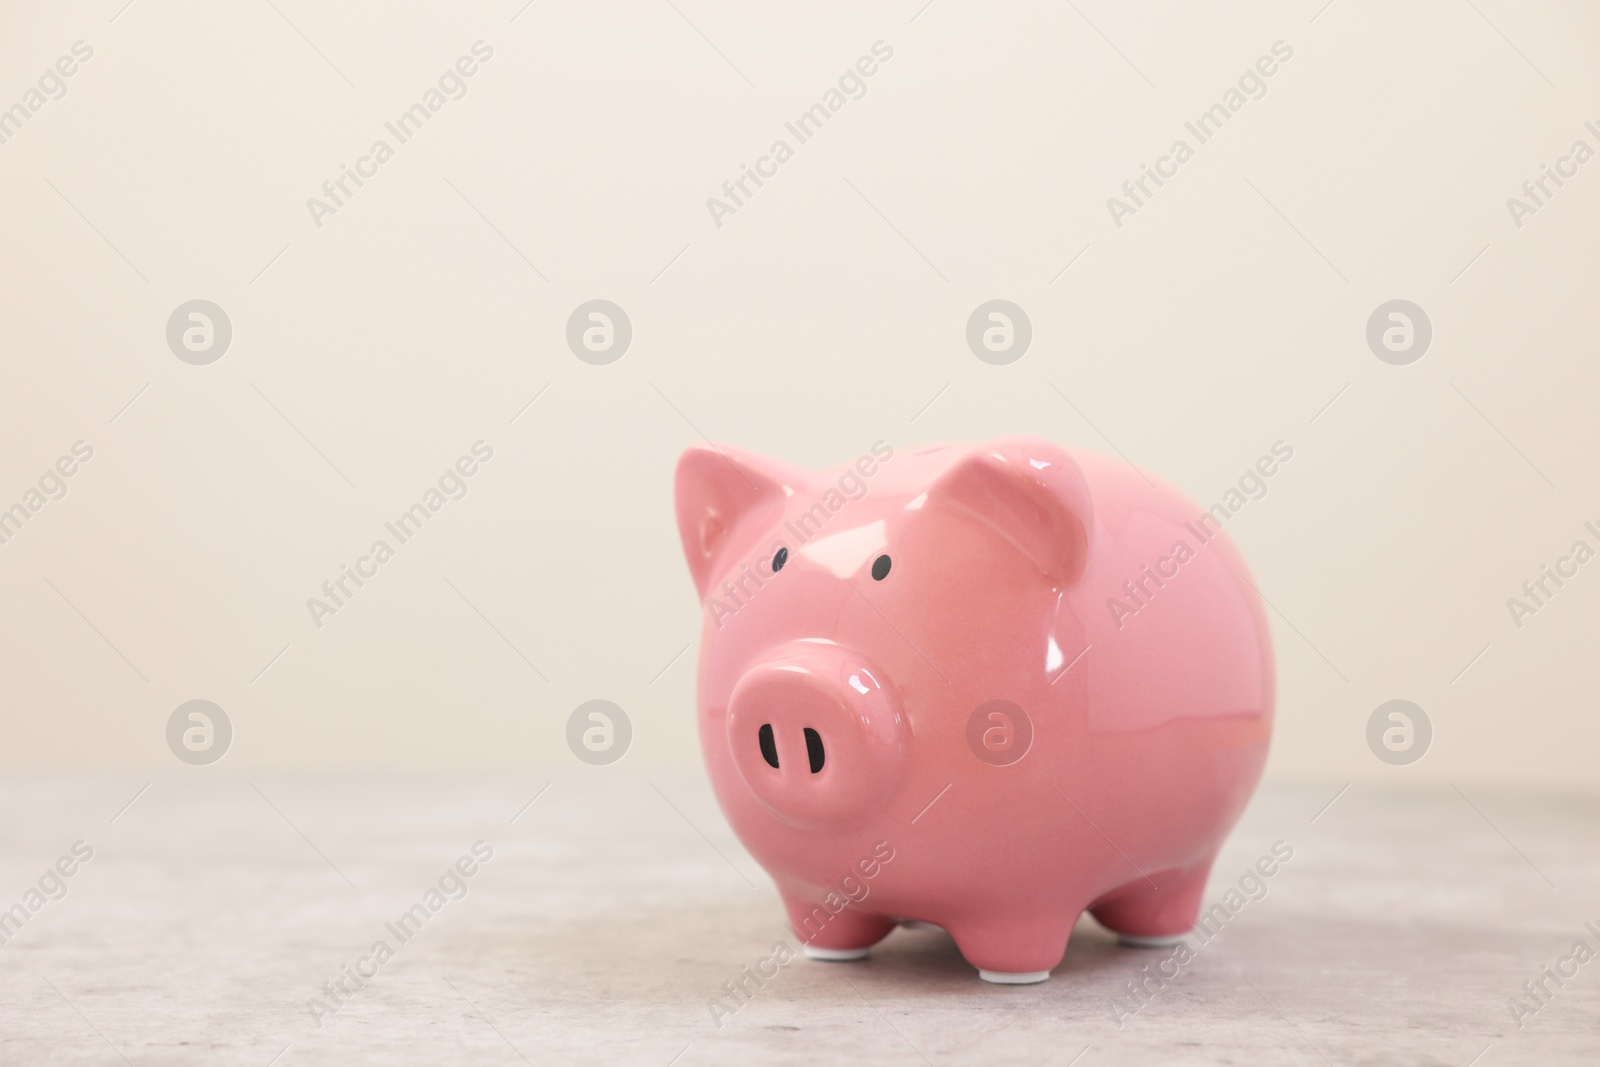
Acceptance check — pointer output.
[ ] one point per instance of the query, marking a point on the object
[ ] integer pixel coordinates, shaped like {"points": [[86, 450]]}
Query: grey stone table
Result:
{"points": [[216, 918]]}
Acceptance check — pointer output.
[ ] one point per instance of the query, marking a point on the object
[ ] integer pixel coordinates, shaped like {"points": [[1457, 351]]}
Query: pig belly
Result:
{"points": [[1177, 691]]}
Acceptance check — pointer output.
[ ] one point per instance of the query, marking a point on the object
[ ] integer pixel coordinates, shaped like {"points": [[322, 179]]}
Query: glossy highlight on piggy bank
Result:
{"points": [[1037, 678]]}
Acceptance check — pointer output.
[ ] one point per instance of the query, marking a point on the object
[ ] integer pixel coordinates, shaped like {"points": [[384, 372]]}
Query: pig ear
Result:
{"points": [[716, 487], [1032, 493]]}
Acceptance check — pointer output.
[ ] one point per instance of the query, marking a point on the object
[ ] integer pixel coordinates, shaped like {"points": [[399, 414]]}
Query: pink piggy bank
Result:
{"points": [[984, 686]]}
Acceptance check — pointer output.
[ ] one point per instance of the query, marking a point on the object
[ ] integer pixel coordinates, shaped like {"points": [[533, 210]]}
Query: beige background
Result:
{"points": [[824, 315]]}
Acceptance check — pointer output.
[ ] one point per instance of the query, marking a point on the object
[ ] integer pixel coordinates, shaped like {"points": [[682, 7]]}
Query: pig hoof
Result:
{"points": [[834, 955], [1013, 977], [1163, 941]]}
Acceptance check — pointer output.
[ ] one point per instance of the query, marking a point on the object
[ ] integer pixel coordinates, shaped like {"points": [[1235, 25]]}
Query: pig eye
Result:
{"points": [[779, 559], [880, 568]]}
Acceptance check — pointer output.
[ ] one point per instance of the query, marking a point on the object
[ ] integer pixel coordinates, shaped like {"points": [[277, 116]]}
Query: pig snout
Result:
{"points": [[818, 735]]}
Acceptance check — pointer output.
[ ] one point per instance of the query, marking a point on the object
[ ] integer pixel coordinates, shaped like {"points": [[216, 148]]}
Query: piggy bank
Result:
{"points": [[984, 686]]}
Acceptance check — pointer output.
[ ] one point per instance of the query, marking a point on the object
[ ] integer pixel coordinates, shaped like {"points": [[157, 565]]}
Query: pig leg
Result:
{"points": [[827, 936], [1011, 947], [1150, 916]]}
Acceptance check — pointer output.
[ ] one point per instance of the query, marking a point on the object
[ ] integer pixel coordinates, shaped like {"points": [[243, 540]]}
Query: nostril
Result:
{"points": [[769, 747], [814, 749]]}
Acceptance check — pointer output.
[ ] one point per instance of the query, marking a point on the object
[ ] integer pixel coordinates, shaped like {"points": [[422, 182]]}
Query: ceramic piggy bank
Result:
{"points": [[984, 686]]}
